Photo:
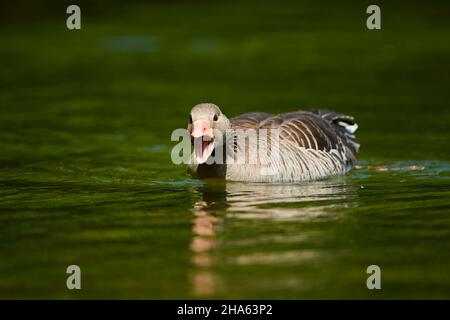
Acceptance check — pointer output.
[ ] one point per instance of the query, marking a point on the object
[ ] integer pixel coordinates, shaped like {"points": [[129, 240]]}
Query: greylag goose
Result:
{"points": [[261, 147]]}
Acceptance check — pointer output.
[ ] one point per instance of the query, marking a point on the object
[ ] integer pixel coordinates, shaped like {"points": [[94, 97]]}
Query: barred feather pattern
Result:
{"points": [[312, 145]]}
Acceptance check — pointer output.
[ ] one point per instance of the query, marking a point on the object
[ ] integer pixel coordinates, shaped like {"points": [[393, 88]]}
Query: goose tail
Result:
{"points": [[345, 125]]}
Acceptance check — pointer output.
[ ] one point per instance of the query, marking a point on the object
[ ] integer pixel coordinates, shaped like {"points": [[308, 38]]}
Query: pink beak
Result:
{"points": [[201, 128], [203, 135]]}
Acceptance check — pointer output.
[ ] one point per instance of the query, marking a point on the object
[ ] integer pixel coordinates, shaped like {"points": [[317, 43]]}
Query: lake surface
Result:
{"points": [[86, 176]]}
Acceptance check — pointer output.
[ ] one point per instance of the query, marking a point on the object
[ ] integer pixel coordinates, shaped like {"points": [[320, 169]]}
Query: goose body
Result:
{"points": [[290, 147]]}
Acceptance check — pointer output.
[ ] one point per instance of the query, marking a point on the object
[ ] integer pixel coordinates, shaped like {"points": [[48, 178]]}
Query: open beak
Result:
{"points": [[203, 140]]}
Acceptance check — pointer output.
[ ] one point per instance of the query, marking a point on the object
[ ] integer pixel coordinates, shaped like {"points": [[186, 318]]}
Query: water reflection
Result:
{"points": [[282, 202], [259, 200], [204, 240]]}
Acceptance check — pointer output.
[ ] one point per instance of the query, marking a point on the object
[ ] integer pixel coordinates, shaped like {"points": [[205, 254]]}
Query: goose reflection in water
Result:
{"points": [[233, 200], [260, 200]]}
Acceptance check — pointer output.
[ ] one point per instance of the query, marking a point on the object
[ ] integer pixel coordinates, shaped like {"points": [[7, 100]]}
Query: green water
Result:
{"points": [[86, 176]]}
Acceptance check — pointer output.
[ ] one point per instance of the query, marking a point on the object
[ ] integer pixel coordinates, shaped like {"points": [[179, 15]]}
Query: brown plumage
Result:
{"points": [[311, 145]]}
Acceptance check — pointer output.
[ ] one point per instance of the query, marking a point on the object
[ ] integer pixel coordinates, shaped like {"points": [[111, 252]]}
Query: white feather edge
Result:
{"points": [[350, 128]]}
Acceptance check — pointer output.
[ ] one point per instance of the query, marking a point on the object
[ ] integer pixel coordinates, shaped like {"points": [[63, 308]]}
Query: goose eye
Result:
{"points": [[216, 117]]}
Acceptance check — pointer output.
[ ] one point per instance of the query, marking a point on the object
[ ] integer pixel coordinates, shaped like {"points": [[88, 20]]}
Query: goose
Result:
{"points": [[261, 147]]}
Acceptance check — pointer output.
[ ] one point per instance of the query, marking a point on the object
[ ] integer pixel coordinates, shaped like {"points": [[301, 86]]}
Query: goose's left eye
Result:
{"points": [[216, 117]]}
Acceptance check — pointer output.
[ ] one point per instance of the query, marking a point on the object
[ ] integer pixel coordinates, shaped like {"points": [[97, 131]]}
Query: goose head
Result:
{"points": [[207, 126]]}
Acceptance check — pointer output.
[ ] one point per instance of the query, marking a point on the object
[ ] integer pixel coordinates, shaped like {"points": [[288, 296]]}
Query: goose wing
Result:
{"points": [[320, 130]]}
